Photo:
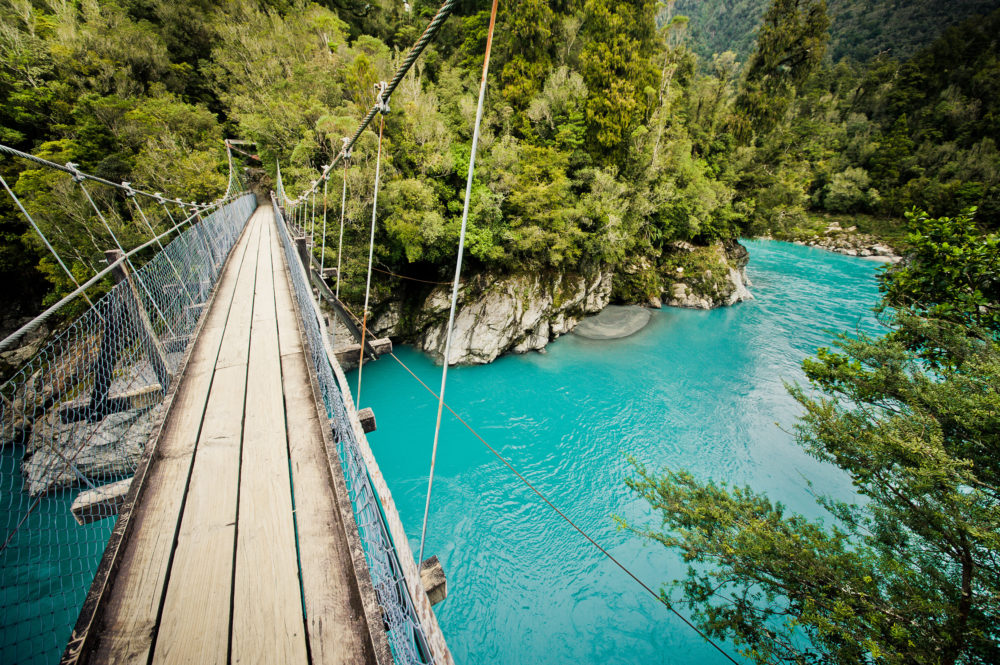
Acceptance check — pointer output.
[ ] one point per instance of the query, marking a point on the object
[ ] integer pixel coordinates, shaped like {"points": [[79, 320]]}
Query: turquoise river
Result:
{"points": [[694, 389], [701, 390]]}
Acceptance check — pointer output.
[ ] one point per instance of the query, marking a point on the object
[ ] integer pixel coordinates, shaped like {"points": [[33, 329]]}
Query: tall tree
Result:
{"points": [[618, 70], [790, 45]]}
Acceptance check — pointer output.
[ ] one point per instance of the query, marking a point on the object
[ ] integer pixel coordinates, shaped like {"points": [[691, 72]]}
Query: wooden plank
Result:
{"points": [[433, 580], [268, 626], [373, 612], [367, 418], [337, 629], [130, 613], [348, 355], [194, 625], [289, 339], [422, 604], [81, 409]]}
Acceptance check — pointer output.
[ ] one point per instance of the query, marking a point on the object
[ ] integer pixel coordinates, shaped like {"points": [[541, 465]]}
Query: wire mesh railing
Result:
{"points": [[75, 420], [407, 635]]}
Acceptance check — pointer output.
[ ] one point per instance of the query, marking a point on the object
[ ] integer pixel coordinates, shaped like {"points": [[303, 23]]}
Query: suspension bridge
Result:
{"points": [[252, 521], [187, 426]]}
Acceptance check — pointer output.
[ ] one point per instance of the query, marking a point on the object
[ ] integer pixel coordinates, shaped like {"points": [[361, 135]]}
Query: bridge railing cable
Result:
{"points": [[410, 624], [76, 415], [13, 152]]}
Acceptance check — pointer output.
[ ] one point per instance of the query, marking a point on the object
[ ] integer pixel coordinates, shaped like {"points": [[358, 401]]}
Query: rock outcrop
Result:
{"points": [[109, 448], [525, 311], [495, 314], [707, 277]]}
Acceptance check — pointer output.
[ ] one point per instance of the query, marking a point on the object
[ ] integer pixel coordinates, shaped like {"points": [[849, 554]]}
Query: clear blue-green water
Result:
{"points": [[697, 390], [45, 569]]}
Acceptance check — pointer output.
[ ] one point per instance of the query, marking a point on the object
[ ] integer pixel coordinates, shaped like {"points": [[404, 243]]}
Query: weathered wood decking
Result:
{"points": [[234, 545]]}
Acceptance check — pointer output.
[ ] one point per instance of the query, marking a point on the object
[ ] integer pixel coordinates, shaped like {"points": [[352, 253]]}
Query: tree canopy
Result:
{"points": [[606, 138]]}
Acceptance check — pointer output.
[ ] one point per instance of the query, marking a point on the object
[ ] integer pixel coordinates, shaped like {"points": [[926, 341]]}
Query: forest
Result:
{"points": [[859, 31], [606, 138]]}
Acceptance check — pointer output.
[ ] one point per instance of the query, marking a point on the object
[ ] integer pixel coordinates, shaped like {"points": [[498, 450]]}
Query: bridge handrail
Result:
{"points": [[88, 176], [78, 414], [414, 634], [197, 209], [16, 336]]}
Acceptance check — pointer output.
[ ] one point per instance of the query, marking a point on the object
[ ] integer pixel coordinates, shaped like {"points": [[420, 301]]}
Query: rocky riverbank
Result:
{"points": [[500, 313], [850, 242]]}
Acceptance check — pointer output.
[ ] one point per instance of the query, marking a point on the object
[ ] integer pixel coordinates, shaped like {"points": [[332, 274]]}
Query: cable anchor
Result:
{"points": [[77, 174], [381, 100]]}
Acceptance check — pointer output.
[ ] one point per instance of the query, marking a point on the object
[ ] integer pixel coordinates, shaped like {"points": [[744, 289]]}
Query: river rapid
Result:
{"points": [[698, 390]]}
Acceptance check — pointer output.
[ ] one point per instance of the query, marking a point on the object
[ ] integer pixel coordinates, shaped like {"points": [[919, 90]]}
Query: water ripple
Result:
{"points": [[696, 390]]}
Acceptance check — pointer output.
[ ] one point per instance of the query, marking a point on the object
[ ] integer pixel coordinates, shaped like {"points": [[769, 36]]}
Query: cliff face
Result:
{"points": [[524, 312], [495, 314]]}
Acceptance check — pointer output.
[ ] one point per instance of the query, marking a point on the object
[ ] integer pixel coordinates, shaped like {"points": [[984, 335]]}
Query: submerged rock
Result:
{"points": [[109, 448], [614, 322]]}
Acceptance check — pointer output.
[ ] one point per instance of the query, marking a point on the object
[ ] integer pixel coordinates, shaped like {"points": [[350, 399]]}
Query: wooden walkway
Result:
{"points": [[236, 546]]}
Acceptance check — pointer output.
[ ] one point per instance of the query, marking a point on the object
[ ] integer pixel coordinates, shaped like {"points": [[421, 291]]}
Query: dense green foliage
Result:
{"points": [[884, 138], [605, 142], [95, 84], [605, 139], [910, 573], [953, 272], [861, 30]]}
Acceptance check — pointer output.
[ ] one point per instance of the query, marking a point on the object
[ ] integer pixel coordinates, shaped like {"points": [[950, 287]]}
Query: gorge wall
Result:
{"points": [[500, 313]]}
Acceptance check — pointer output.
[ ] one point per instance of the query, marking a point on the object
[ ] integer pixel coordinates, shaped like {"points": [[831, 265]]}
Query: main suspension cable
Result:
{"points": [[443, 12], [371, 252], [340, 241]]}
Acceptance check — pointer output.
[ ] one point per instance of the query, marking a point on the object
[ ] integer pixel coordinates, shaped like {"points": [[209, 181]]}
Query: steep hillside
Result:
{"points": [[859, 29]]}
